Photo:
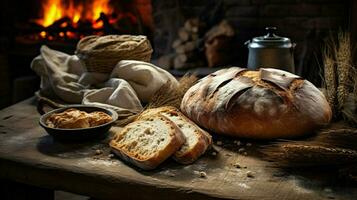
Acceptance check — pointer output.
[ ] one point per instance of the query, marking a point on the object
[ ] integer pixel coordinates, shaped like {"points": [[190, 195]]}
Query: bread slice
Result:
{"points": [[197, 140], [147, 143]]}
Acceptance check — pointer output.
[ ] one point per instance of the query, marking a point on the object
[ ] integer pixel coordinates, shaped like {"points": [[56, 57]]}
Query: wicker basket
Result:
{"points": [[102, 53]]}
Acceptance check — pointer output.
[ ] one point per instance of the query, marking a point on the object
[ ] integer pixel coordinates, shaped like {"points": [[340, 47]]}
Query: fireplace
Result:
{"points": [[60, 24], [26, 25], [71, 20]]}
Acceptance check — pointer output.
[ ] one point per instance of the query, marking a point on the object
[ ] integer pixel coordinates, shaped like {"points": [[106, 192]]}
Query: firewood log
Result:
{"points": [[186, 47], [192, 25], [176, 43], [183, 34]]}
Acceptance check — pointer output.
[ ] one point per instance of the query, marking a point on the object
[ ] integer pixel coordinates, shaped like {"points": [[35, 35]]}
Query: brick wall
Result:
{"points": [[306, 22]]}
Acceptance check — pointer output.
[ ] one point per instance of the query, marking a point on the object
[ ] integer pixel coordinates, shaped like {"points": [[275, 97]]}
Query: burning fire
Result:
{"points": [[68, 14], [54, 10], [74, 19]]}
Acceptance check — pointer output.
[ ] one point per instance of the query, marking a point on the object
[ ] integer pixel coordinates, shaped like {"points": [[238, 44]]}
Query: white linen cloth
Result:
{"points": [[130, 83]]}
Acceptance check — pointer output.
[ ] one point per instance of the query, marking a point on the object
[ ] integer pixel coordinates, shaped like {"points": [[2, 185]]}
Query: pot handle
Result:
{"points": [[42, 102]]}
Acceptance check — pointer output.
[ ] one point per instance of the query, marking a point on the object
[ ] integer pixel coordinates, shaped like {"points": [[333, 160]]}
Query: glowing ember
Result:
{"points": [[74, 19], [43, 34]]}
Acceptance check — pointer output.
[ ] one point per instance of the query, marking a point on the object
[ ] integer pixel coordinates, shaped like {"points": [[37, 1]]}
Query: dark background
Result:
{"points": [[306, 22]]}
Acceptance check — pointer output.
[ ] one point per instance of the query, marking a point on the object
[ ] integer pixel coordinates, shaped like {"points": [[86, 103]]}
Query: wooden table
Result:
{"points": [[28, 155]]}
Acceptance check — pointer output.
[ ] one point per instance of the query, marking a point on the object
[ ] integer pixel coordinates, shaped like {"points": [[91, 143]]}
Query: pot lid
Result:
{"points": [[271, 39]]}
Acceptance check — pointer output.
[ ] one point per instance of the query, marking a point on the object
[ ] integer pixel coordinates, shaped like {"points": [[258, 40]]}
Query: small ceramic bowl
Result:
{"points": [[79, 134]]}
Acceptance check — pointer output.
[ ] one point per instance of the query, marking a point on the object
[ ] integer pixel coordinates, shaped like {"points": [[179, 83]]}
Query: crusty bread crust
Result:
{"points": [[176, 141], [264, 104], [204, 139], [154, 111], [203, 143]]}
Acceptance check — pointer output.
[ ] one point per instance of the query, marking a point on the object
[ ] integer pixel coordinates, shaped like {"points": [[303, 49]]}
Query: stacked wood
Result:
{"points": [[186, 46], [189, 51]]}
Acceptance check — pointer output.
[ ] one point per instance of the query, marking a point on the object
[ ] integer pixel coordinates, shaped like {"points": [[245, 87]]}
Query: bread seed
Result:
{"points": [[214, 153], [98, 152], [249, 144], [219, 143], [241, 150]]}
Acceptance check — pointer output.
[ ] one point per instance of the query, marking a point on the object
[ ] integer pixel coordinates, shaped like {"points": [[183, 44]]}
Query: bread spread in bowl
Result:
{"points": [[73, 118], [264, 104]]}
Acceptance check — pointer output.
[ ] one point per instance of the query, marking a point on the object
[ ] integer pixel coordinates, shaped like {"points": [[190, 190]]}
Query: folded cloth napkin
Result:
{"points": [[130, 83]]}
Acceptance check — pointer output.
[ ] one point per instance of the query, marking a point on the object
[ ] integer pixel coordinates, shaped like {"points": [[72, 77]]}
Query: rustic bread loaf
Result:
{"points": [[147, 143], [264, 104], [197, 140]]}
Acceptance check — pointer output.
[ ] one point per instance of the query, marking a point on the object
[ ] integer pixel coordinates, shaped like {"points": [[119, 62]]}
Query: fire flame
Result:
{"points": [[54, 10]]}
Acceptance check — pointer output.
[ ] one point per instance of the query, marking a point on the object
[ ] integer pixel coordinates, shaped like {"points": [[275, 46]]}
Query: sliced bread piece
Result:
{"points": [[197, 140], [147, 143]]}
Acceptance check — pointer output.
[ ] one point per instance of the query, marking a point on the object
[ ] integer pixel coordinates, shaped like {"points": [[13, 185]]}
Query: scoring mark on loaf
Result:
{"points": [[280, 78], [219, 81], [225, 94], [262, 101]]}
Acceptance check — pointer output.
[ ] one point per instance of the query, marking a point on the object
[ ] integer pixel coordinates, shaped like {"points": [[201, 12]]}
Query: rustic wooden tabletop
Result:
{"points": [[28, 155]]}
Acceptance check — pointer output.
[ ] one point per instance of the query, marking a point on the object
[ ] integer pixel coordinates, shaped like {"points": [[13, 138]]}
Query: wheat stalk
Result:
{"points": [[165, 96], [329, 147], [354, 81], [330, 78], [343, 60], [169, 96], [305, 154], [344, 138]]}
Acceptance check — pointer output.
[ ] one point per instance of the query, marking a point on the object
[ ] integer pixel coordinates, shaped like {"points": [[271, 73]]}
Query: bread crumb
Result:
{"points": [[245, 153], [249, 144], [241, 150], [98, 152], [111, 156], [250, 174], [203, 174], [239, 143], [219, 143], [214, 153]]}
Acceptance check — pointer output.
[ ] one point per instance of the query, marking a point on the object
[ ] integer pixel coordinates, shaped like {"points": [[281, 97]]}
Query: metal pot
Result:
{"points": [[271, 51]]}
